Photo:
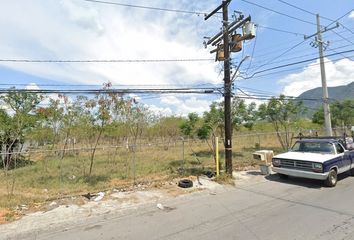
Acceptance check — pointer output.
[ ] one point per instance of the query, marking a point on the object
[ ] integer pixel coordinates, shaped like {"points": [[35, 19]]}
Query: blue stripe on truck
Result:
{"points": [[333, 162]]}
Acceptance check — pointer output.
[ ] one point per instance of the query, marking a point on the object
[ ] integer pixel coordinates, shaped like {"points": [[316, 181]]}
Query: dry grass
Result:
{"points": [[49, 177], [224, 178]]}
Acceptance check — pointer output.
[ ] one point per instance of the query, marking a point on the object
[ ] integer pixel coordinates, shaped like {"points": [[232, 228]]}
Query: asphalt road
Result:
{"points": [[270, 209]]}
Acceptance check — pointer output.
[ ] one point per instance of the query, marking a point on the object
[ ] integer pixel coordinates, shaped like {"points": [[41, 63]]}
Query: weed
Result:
{"points": [[49, 177], [224, 178]]}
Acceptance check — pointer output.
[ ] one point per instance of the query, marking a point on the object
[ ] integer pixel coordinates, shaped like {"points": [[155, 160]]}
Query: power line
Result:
{"points": [[114, 91], [280, 13], [282, 54], [287, 70], [262, 96], [254, 47], [302, 56], [275, 47], [314, 14], [147, 7], [258, 91], [105, 60], [197, 86], [281, 30], [340, 17], [342, 37], [267, 98], [276, 50], [340, 53], [304, 10], [279, 56], [342, 24], [299, 62]]}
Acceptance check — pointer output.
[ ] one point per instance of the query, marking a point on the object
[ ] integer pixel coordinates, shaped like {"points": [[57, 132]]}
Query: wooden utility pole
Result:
{"points": [[224, 37], [227, 90]]}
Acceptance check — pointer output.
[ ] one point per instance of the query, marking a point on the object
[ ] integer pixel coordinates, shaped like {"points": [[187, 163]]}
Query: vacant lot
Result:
{"points": [[41, 175]]}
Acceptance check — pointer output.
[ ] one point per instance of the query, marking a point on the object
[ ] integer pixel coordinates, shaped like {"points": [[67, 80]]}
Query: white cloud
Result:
{"points": [[337, 73], [71, 29], [170, 100], [182, 105], [351, 15], [193, 105], [248, 98], [85, 16], [32, 86], [159, 110]]}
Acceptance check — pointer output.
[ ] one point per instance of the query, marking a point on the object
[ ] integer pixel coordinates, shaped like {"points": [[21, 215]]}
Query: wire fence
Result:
{"points": [[43, 173]]}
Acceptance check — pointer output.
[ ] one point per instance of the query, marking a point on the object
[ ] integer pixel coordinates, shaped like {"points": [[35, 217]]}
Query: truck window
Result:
{"points": [[314, 147], [339, 148], [326, 148]]}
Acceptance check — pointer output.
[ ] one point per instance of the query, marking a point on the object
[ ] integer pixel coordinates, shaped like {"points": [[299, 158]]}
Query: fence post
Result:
{"points": [[183, 159], [134, 164], [217, 155]]}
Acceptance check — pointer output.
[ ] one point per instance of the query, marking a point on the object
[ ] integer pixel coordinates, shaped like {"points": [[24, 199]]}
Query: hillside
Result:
{"points": [[338, 93]]}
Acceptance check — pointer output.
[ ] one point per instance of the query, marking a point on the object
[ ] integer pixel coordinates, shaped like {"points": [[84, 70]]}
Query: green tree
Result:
{"points": [[243, 114], [189, 126], [342, 114], [213, 125], [102, 109], [282, 113], [52, 122], [167, 127], [17, 121]]}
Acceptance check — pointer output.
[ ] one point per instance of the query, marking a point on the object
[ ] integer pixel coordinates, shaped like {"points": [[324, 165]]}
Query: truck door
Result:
{"points": [[345, 159]]}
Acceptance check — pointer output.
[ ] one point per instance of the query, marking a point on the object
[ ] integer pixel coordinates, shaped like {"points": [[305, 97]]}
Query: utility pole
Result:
{"points": [[224, 37], [320, 44], [227, 91]]}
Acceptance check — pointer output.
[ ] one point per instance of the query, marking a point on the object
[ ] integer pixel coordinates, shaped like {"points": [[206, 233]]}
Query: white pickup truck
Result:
{"points": [[321, 159]]}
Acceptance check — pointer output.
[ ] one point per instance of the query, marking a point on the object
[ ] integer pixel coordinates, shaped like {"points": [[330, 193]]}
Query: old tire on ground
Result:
{"points": [[185, 183], [282, 176], [331, 180]]}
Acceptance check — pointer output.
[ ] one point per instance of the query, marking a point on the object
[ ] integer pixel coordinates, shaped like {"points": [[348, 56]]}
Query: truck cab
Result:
{"points": [[321, 159]]}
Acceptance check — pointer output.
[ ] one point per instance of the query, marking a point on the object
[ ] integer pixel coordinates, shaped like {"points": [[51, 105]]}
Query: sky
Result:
{"points": [[86, 30]]}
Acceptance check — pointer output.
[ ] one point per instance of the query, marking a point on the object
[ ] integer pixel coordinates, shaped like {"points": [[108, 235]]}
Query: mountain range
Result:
{"points": [[338, 93]]}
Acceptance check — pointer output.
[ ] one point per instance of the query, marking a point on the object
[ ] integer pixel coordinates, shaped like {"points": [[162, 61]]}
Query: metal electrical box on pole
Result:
{"points": [[225, 43], [227, 90]]}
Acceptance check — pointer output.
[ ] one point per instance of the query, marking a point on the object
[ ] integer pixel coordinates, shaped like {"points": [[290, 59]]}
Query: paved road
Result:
{"points": [[270, 209]]}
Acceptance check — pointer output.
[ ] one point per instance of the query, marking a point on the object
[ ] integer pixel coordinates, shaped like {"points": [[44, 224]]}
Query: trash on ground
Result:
{"points": [[209, 174], [99, 197], [164, 208], [160, 206]]}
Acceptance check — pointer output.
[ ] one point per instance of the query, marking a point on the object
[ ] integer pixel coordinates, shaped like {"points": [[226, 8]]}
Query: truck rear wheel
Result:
{"points": [[331, 180]]}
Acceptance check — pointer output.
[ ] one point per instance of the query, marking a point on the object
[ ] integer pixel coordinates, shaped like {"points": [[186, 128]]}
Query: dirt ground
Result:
{"points": [[79, 209]]}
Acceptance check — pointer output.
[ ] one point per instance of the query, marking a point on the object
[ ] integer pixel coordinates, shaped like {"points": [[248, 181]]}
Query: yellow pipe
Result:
{"points": [[217, 155]]}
